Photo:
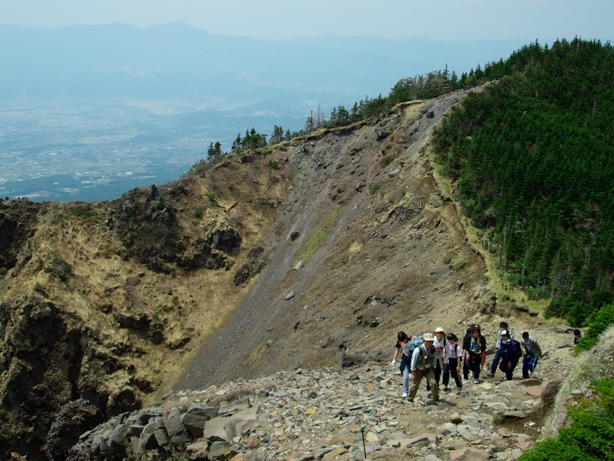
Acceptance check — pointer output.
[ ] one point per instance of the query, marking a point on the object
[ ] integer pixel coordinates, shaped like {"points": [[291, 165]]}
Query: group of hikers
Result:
{"points": [[439, 357]]}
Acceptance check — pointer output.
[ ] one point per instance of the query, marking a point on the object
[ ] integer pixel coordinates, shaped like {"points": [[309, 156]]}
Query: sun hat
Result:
{"points": [[428, 337], [439, 330]]}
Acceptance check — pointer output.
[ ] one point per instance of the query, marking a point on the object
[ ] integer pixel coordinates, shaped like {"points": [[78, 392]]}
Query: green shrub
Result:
{"points": [[603, 319], [590, 435], [212, 201], [198, 212], [374, 188], [82, 213]]}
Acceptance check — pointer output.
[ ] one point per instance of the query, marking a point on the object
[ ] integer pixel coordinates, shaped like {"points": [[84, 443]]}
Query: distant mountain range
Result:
{"points": [[177, 61]]}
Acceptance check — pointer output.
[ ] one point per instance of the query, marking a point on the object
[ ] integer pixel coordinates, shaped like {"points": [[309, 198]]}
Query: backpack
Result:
{"points": [[515, 350], [415, 342]]}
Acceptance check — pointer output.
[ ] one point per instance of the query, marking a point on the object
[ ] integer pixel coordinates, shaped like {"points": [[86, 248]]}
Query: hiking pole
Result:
{"points": [[534, 366], [364, 447]]}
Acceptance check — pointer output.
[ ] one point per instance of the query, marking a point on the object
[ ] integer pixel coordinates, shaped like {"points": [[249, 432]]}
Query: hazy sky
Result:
{"points": [[436, 19]]}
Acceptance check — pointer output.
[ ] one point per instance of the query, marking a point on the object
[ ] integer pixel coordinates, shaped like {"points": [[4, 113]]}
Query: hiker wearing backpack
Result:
{"points": [[441, 344], [406, 346], [453, 368], [483, 354], [511, 355], [422, 366], [475, 347], [402, 338], [500, 348], [532, 353], [464, 350]]}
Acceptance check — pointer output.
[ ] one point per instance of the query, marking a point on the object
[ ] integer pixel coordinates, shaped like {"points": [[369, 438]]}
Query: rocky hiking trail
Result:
{"points": [[338, 415]]}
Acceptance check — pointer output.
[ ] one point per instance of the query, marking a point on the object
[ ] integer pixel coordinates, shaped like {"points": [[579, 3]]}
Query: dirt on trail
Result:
{"points": [[312, 253]]}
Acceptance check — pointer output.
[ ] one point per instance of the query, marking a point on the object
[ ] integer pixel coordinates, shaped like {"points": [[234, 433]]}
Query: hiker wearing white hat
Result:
{"points": [[440, 344], [423, 366]]}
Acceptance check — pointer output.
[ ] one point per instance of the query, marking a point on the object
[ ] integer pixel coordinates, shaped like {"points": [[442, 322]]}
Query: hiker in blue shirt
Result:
{"points": [[511, 354], [500, 348]]}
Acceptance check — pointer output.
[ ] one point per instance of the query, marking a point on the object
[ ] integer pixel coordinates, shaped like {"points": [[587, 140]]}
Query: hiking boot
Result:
{"points": [[476, 381], [404, 394], [490, 374], [433, 402]]}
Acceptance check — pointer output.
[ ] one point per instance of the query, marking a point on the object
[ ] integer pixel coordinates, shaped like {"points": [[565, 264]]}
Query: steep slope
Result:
{"points": [[377, 241]]}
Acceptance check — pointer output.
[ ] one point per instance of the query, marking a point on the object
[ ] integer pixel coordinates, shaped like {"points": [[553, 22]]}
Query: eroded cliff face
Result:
{"points": [[105, 301], [312, 253]]}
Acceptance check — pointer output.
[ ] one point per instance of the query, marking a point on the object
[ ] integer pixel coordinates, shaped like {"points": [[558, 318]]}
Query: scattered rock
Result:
{"points": [[156, 336], [469, 454], [435, 200], [381, 134], [136, 323], [535, 391], [514, 415], [526, 445], [330, 456], [195, 418]]}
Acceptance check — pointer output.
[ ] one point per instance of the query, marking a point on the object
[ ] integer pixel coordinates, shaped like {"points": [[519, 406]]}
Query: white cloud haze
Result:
{"points": [[436, 19]]}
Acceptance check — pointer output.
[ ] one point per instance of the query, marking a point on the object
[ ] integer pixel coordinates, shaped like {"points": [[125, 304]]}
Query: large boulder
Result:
{"points": [[73, 419], [172, 422], [140, 322], [195, 418]]}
